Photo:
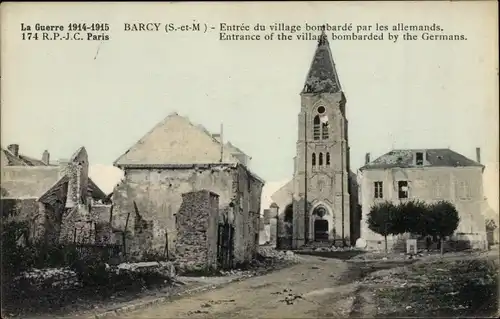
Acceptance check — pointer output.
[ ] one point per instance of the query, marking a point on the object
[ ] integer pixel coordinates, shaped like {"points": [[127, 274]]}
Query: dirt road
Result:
{"points": [[314, 288]]}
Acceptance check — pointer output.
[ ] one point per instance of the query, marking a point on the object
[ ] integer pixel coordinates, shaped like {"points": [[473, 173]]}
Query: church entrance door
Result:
{"points": [[321, 230]]}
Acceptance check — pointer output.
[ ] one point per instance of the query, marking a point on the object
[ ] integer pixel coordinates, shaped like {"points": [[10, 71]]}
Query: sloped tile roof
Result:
{"points": [[404, 158], [175, 140], [21, 160]]}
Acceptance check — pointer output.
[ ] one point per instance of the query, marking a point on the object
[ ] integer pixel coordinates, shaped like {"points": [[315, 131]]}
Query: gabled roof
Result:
{"points": [[95, 192], [175, 140], [404, 158], [322, 76], [20, 160]]}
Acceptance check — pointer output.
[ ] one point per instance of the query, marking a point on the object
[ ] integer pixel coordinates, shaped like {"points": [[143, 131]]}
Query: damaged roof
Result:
{"points": [[175, 140], [405, 158], [322, 76], [8, 159]]}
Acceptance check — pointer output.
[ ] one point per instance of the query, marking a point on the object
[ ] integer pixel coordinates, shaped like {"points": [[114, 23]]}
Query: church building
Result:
{"points": [[317, 205]]}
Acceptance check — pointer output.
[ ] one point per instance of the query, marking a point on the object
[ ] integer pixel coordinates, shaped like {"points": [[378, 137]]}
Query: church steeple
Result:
{"points": [[322, 76]]}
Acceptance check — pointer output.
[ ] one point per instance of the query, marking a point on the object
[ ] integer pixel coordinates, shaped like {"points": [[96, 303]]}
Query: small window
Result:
{"points": [[419, 158], [403, 189], [378, 190], [320, 159], [327, 158], [314, 159], [321, 109]]}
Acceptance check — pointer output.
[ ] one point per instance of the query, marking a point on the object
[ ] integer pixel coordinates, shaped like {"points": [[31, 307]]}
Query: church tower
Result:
{"points": [[321, 205]]}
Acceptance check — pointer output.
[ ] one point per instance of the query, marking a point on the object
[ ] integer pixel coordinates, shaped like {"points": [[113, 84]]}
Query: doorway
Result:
{"points": [[287, 237], [320, 230]]}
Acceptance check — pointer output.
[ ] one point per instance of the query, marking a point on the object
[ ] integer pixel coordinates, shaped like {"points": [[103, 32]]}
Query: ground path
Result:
{"points": [[317, 287]]}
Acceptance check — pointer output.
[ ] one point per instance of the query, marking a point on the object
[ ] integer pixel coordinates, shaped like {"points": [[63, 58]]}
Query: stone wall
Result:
{"points": [[101, 212], [196, 223], [157, 196], [18, 181], [27, 210], [248, 193]]}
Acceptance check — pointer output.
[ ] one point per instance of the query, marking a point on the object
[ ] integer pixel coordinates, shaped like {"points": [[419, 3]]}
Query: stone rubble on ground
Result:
{"points": [[270, 252], [164, 268], [55, 277], [329, 249]]}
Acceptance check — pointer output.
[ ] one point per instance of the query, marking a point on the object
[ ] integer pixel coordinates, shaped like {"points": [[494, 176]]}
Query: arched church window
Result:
{"points": [[314, 159], [316, 127], [327, 158], [320, 159]]}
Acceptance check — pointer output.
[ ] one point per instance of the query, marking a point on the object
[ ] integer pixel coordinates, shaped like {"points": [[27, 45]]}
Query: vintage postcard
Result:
{"points": [[249, 159]]}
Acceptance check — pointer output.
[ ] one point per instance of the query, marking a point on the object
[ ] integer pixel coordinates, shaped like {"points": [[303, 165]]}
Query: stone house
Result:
{"points": [[54, 198], [177, 157], [317, 204], [429, 175]]}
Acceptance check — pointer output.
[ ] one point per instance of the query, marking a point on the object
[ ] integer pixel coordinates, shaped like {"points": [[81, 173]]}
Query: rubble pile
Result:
{"points": [[329, 249], [50, 277], [239, 273], [163, 268], [270, 252], [371, 256]]}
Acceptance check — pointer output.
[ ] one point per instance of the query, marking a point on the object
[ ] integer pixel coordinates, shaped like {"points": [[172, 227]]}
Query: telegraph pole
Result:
{"points": [[221, 142], [342, 175], [306, 216]]}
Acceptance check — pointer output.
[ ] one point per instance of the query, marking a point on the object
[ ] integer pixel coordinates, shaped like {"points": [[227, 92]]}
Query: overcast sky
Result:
{"points": [[421, 94]]}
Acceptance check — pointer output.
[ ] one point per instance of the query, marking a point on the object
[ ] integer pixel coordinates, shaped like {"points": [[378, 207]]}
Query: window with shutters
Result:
{"points": [[378, 190], [316, 127]]}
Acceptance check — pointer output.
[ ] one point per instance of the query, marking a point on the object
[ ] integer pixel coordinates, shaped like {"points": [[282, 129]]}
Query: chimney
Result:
{"points": [[14, 149], [478, 154], [46, 157], [367, 158]]}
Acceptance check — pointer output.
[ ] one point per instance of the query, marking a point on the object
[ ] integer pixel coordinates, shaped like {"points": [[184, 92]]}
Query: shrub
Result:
{"points": [[382, 218], [413, 217]]}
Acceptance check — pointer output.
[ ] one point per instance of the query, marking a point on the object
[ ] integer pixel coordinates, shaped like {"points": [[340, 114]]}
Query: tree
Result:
{"points": [[413, 217], [381, 219], [444, 221]]}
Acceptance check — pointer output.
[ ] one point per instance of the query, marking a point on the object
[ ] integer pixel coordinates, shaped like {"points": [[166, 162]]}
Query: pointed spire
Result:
{"points": [[322, 76], [323, 38]]}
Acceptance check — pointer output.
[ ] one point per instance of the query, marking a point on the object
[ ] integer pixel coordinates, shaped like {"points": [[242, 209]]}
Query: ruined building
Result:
{"points": [[428, 175], [316, 205], [174, 159], [58, 200]]}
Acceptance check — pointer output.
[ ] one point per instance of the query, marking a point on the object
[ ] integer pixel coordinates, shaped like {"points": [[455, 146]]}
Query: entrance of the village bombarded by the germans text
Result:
{"points": [[225, 244]]}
